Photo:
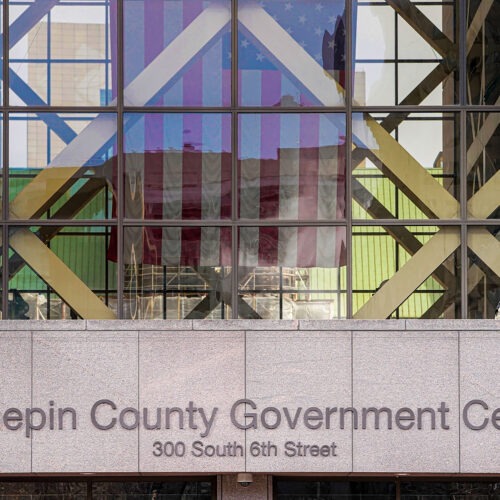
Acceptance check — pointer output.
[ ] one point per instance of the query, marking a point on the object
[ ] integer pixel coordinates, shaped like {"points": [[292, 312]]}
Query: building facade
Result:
{"points": [[250, 237]]}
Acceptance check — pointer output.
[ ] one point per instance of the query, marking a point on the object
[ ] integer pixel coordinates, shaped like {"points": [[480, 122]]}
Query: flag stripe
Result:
{"points": [[179, 166], [153, 126], [269, 170]]}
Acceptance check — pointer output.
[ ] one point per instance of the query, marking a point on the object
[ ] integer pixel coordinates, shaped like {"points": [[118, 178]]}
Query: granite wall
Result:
{"points": [[143, 397]]}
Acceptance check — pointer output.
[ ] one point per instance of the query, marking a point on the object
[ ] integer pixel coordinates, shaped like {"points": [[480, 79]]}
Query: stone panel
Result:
{"points": [[480, 380], [292, 368], [202, 367], [298, 370], [76, 369], [412, 370], [15, 392]]}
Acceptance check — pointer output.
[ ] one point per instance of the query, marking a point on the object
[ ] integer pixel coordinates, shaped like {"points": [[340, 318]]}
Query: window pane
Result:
{"points": [[42, 490], [482, 52], [174, 490], [291, 53], [61, 273], [1, 160], [59, 165], [450, 491], [483, 164], [178, 166], [176, 272], [390, 281], [406, 166], [483, 275], [292, 272], [408, 56], [177, 53], [292, 167], [60, 55], [294, 489]]}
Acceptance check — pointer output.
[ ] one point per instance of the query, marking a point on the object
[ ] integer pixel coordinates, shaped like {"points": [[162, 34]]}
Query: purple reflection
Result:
{"points": [[292, 166], [178, 166], [318, 28], [150, 27]]}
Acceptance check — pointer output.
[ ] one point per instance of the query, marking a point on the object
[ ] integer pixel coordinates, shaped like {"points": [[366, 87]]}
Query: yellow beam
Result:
{"points": [[67, 211], [485, 246], [30, 203], [423, 26], [58, 276], [477, 23], [439, 73], [483, 137], [486, 200], [407, 279], [414, 179], [404, 282], [474, 276], [35, 197]]}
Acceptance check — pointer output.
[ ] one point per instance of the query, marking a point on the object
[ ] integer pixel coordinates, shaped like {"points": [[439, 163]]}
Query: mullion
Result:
{"points": [[235, 110]]}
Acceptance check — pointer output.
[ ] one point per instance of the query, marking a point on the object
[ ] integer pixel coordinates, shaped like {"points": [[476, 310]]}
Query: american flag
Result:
{"points": [[318, 27], [290, 166]]}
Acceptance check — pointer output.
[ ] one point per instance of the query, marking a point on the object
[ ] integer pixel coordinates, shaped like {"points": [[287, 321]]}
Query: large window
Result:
{"points": [[161, 489], [181, 159], [369, 489]]}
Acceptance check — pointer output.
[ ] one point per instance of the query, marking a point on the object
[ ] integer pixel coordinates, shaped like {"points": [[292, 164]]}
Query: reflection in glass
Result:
{"points": [[282, 44], [176, 272], [386, 288], [450, 490], [60, 54], [178, 166], [288, 489], [1, 162], [303, 305], [397, 61], [42, 490], [292, 271], [483, 145], [107, 490], [61, 273], [171, 490], [58, 165], [483, 19], [292, 167], [406, 166], [483, 280], [176, 53]]}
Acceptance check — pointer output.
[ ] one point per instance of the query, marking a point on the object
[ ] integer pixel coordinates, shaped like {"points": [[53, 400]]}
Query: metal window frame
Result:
{"points": [[462, 109]]}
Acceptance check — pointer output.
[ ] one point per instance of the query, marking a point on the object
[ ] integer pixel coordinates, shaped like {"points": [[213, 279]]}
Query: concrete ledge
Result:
{"points": [[274, 335], [173, 335], [139, 324], [469, 325], [352, 324], [83, 336], [452, 324], [60, 324], [245, 324]]}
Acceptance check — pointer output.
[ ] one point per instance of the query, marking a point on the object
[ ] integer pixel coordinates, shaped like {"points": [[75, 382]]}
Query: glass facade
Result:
{"points": [[172, 159], [161, 489], [300, 489]]}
